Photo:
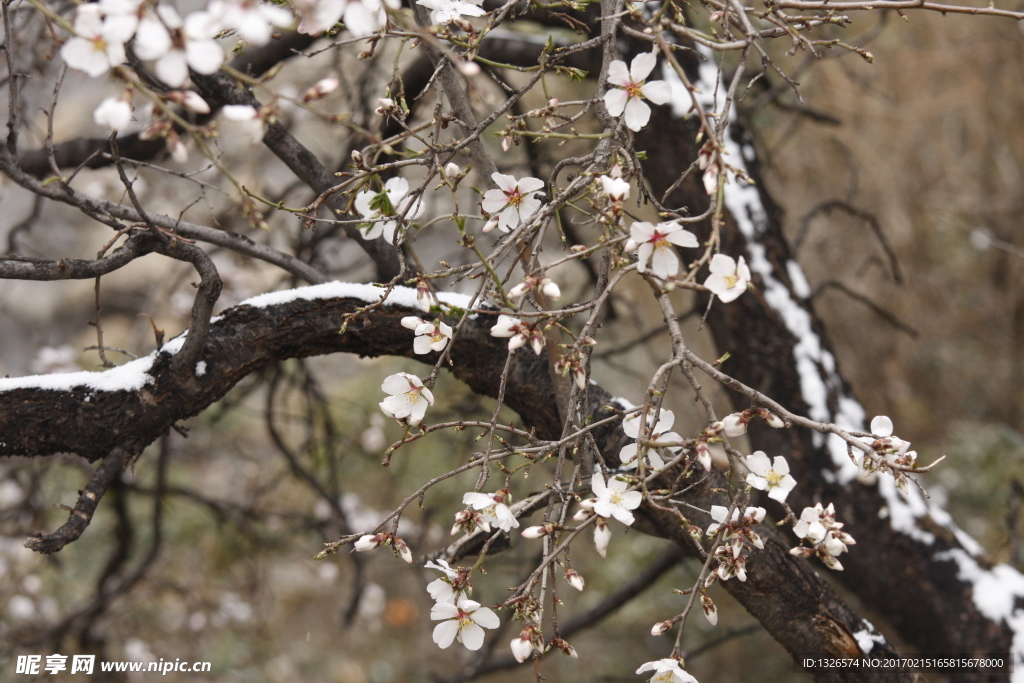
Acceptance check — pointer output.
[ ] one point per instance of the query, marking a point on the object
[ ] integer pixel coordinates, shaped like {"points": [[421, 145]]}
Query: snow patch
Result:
{"points": [[134, 375], [868, 637], [371, 294]]}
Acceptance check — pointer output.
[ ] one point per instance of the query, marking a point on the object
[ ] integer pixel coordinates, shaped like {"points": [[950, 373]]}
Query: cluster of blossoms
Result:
{"points": [[818, 527], [486, 509], [736, 535], [655, 244], [385, 210], [894, 450], [657, 430], [461, 619], [520, 333]]}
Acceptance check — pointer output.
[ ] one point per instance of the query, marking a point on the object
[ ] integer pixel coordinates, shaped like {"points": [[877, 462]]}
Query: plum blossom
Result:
{"points": [[666, 671], [444, 589], [818, 526], [520, 333], [602, 536], [462, 621], [177, 45], [658, 431], [96, 47], [546, 285], [446, 11], [433, 336], [613, 500], [528, 640], [384, 209], [113, 113], [614, 187], [766, 476], [248, 119], [736, 527], [321, 89], [630, 90], [729, 278], [408, 400], [361, 17], [514, 201], [655, 246], [493, 507], [253, 20]]}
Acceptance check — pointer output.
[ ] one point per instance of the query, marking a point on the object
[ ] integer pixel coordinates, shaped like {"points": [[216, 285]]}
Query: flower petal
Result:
{"points": [[615, 101]]}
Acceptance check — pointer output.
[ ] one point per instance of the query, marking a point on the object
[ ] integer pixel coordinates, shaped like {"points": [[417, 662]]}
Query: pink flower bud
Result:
{"points": [[535, 531], [321, 90], [452, 170]]}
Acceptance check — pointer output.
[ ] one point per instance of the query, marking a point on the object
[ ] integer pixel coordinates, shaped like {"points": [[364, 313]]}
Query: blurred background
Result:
{"points": [[902, 187]]}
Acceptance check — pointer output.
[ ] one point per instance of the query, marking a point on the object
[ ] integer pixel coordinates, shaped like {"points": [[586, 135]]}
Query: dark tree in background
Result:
{"points": [[261, 215]]}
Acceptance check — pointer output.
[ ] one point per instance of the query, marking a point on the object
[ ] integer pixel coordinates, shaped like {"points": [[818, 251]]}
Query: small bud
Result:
{"points": [[177, 148], [710, 611], [772, 419], [402, 549], [550, 288], [522, 648], [602, 537], [630, 246], [387, 106], [536, 531], [469, 69], [574, 579], [452, 170], [321, 90], [520, 289], [490, 225], [661, 627], [357, 157], [368, 542], [565, 647]]}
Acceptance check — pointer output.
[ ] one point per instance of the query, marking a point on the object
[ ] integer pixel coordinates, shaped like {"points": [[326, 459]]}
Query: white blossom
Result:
{"points": [[177, 45], [613, 500], [602, 536], [493, 507], [666, 671], [520, 333], [631, 90], [248, 120], [463, 622], [96, 47], [441, 590], [656, 246], [522, 648], [409, 398], [658, 431], [433, 336], [384, 209], [253, 20], [729, 278], [361, 17], [446, 11], [766, 476], [113, 113], [514, 201], [617, 189]]}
